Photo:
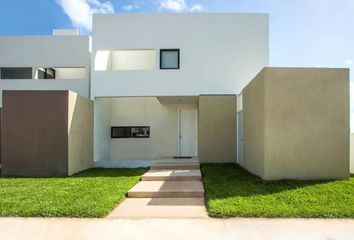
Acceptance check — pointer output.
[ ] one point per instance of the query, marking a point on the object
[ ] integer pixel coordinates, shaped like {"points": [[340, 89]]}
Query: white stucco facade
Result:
{"points": [[70, 52], [219, 53]]}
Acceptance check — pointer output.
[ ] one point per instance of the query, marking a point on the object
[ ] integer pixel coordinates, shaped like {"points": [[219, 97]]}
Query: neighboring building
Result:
{"points": [[176, 85], [58, 62]]}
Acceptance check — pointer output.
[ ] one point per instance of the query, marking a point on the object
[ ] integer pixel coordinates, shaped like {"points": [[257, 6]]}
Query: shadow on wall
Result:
{"points": [[80, 133]]}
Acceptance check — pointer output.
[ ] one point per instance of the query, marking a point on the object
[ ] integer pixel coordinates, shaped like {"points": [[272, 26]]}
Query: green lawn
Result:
{"points": [[92, 193], [233, 192]]}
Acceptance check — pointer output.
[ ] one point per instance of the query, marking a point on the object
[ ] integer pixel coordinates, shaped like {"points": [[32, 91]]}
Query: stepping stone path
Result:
{"points": [[168, 190]]}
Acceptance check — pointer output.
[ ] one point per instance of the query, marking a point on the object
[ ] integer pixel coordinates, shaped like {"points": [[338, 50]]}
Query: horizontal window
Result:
{"points": [[130, 132], [117, 60], [60, 73], [16, 73]]}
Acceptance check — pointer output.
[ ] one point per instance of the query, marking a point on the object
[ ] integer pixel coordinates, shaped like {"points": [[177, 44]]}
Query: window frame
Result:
{"points": [[130, 131], [170, 50], [45, 73]]}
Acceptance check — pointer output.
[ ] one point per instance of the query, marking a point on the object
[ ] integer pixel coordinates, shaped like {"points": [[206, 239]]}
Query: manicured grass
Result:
{"points": [[231, 192], [92, 193]]}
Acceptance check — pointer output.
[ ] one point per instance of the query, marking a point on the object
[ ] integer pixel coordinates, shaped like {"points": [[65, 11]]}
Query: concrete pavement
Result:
{"points": [[137, 208], [237, 228], [173, 190]]}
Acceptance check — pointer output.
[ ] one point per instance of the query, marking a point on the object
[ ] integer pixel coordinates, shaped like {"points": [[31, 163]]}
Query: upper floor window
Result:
{"points": [[16, 73], [169, 59], [61, 73], [45, 73], [128, 59]]}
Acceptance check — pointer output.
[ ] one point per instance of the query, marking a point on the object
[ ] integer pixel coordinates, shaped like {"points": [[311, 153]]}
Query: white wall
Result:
{"points": [[46, 51], [142, 111], [219, 53], [102, 125]]}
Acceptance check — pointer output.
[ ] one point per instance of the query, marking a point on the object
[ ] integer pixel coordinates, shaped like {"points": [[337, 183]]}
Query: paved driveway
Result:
{"points": [[238, 228]]}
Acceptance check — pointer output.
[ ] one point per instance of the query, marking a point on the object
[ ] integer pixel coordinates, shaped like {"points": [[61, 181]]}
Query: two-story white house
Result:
{"points": [[163, 87], [165, 76]]}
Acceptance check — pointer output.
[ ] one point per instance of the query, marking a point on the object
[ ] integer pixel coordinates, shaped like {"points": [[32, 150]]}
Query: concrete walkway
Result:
{"points": [[168, 190], [125, 229]]}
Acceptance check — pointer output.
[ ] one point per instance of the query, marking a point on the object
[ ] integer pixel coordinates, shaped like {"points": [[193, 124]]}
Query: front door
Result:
{"points": [[188, 132]]}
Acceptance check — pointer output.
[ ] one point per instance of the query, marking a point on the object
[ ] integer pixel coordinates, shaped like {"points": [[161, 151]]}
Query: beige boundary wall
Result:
{"points": [[46, 133], [80, 133], [296, 124], [217, 128]]}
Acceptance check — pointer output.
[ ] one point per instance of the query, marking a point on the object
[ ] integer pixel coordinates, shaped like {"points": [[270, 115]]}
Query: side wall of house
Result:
{"points": [[217, 128], [102, 129], [307, 123], [80, 133], [254, 125], [34, 133], [352, 153]]}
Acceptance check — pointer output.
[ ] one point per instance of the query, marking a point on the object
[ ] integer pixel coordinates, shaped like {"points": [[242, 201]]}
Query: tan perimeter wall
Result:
{"points": [[254, 125], [306, 128], [34, 133], [217, 128], [80, 133]]}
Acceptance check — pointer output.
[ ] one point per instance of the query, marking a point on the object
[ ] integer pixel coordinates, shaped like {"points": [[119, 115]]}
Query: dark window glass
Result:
{"points": [[41, 74], [169, 59], [16, 73], [46, 73], [130, 132], [50, 73]]}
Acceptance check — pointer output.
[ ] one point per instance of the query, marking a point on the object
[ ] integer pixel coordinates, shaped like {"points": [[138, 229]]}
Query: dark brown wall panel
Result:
{"points": [[34, 134]]}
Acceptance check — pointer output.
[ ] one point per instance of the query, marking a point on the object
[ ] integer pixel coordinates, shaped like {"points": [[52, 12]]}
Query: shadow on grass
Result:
{"points": [[94, 172], [111, 172], [230, 180]]}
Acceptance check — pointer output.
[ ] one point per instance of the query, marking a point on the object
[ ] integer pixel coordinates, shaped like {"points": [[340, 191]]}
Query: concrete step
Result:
{"points": [[160, 208], [167, 189], [175, 165], [172, 175]]}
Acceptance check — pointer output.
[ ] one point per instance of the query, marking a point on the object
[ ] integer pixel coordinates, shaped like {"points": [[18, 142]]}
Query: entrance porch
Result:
{"points": [[139, 131]]}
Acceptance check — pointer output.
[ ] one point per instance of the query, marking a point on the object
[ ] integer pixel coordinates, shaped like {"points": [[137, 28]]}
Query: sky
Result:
{"points": [[303, 33]]}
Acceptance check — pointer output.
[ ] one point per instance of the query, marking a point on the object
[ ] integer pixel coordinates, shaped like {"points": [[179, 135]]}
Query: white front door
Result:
{"points": [[188, 132]]}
